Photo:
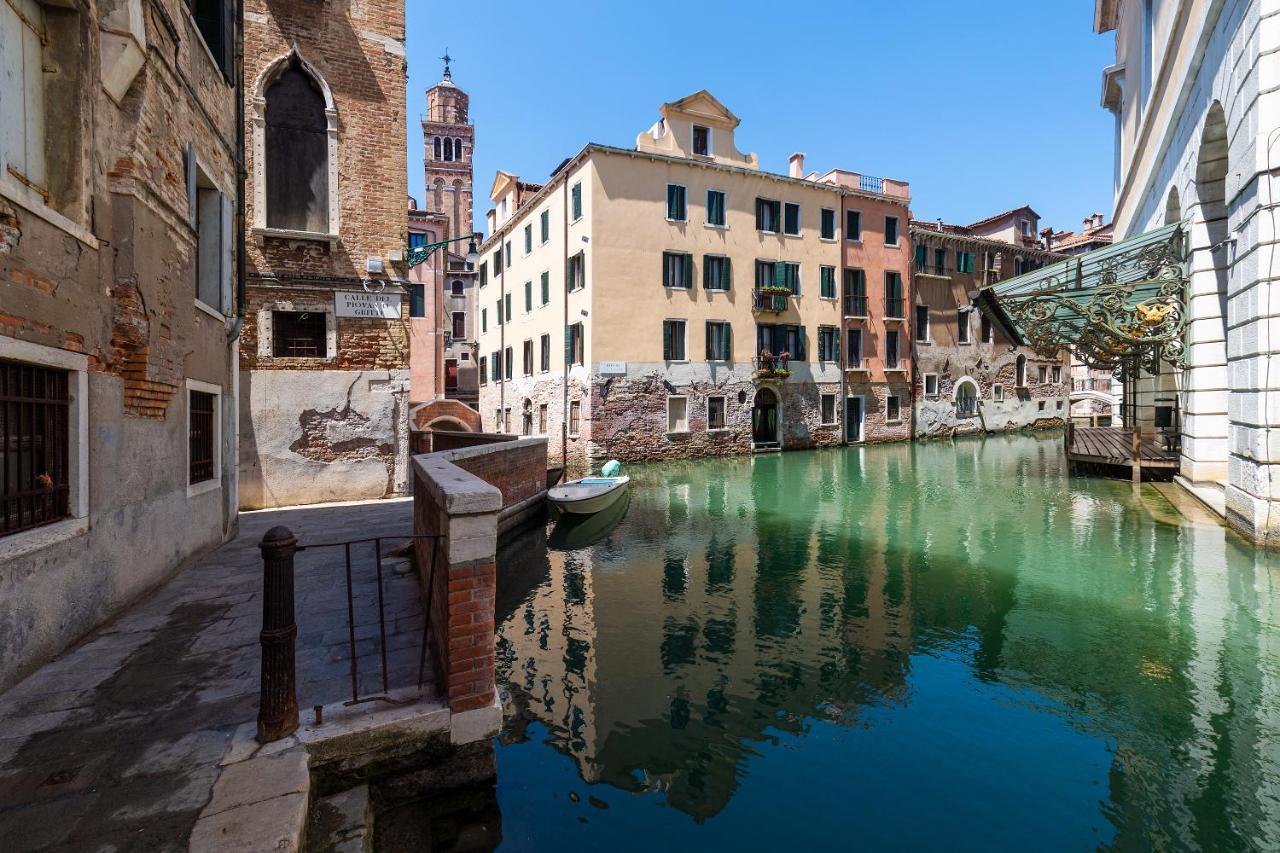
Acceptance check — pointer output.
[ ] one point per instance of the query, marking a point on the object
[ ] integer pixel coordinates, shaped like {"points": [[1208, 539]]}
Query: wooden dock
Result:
{"points": [[1110, 449]]}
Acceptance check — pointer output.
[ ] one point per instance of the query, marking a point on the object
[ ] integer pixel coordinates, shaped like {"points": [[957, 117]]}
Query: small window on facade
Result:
{"points": [[768, 215], [497, 419], [940, 261], [715, 272], [673, 340], [891, 349], [528, 239], [506, 418], [931, 384], [544, 361], [484, 320], [1025, 224], [827, 279], [528, 296], [922, 323], [298, 334], [484, 273], [677, 270], [575, 416], [575, 202], [893, 304], [215, 19], [1057, 374], [484, 365], [1020, 372], [575, 275], [719, 341], [855, 293], [545, 285], [715, 413], [35, 419], [891, 230], [544, 226], [1042, 375], [457, 288], [791, 219], [542, 418], [828, 404], [677, 414], [892, 408], [297, 153], [962, 327], [200, 436], [459, 329], [853, 352], [853, 225], [985, 329], [507, 252], [506, 308], [495, 366], [526, 417], [715, 208], [509, 362], [528, 357], [828, 224], [701, 140], [677, 205], [828, 343], [575, 344], [997, 393]]}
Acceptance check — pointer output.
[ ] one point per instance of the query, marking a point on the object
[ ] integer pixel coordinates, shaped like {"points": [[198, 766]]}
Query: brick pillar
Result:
{"points": [[464, 508]]}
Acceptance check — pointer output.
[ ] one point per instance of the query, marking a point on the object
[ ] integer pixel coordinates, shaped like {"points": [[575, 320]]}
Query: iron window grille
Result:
{"points": [[298, 334], [35, 411], [200, 431]]}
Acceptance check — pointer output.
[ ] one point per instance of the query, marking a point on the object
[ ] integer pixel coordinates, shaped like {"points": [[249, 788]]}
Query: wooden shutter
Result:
{"points": [[224, 251], [666, 340], [666, 269], [779, 274], [725, 277], [688, 272]]}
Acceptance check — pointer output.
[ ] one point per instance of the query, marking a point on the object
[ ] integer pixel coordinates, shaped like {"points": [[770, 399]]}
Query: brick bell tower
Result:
{"points": [[450, 139]]}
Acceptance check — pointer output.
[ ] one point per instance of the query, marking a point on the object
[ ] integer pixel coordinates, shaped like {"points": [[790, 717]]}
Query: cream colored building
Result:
{"points": [[620, 302]]}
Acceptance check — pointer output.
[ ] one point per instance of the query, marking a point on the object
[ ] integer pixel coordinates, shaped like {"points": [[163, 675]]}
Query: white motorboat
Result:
{"points": [[588, 495]]}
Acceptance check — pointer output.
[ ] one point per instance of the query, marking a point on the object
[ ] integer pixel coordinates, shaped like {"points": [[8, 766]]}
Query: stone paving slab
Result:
{"points": [[118, 743]]}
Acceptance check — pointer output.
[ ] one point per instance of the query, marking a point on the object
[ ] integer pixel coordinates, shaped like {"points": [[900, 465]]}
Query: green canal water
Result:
{"points": [[944, 645]]}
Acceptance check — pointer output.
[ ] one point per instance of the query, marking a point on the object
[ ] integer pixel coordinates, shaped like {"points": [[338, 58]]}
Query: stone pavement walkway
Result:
{"points": [[116, 745]]}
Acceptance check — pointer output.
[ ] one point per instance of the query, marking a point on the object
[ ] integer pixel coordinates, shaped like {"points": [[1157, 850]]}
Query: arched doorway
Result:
{"points": [[966, 398], [764, 418]]}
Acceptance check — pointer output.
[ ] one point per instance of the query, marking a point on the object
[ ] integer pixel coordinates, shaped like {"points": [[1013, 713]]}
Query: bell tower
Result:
{"points": [[450, 140]]}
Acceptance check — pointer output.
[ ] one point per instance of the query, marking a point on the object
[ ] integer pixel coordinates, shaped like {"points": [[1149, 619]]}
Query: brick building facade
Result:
{"points": [[118, 174], [969, 377], [325, 363]]}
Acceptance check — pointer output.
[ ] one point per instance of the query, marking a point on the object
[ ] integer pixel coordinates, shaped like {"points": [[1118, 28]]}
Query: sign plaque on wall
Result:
{"points": [[615, 368], [368, 306]]}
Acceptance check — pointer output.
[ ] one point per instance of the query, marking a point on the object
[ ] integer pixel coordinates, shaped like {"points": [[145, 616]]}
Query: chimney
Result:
{"points": [[797, 165]]}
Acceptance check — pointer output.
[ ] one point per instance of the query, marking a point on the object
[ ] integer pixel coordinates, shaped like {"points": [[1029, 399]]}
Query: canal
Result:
{"points": [[935, 645]]}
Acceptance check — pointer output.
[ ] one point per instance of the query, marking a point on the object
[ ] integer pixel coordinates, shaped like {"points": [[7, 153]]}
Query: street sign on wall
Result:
{"points": [[368, 306]]}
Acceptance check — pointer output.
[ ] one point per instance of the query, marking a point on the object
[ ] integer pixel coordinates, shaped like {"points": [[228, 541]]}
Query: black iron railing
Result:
{"points": [[893, 307], [855, 306], [765, 300]]}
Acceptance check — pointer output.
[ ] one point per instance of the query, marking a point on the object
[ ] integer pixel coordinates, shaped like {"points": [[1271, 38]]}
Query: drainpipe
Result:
{"points": [[240, 174], [502, 338], [843, 415]]}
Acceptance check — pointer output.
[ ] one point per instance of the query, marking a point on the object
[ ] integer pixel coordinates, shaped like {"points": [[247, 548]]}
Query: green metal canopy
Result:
{"points": [[1119, 307]]}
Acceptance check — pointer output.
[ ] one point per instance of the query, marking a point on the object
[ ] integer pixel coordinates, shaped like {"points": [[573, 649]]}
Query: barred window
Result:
{"points": [[34, 463], [298, 334], [200, 437]]}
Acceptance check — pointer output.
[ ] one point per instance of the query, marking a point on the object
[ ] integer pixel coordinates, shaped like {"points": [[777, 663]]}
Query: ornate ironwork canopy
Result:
{"points": [[1121, 308]]}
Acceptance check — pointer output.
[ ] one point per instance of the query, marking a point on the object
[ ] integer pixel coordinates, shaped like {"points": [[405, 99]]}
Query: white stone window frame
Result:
{"points": [[76, 364], [844, 224], [724, 195], [835, 409], [685, 398], [835, 225], [693, 144], [685, 220], [925, 384], [997, 392], [215, 482], [574, 433], [258, 121], [898, 399], [724, 402], [977, 393], [799, 232], [897, 231], [266, 336], [684, 343]]}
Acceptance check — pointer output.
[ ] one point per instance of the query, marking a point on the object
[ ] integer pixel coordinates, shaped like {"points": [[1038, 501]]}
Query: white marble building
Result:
{"points": [[1195, 90]]}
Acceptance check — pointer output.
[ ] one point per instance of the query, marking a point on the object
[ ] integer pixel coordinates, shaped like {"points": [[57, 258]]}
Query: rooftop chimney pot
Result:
{"points": [[797, 164]]}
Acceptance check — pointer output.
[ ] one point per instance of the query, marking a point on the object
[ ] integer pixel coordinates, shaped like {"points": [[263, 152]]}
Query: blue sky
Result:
{"points": [[982, 106]]}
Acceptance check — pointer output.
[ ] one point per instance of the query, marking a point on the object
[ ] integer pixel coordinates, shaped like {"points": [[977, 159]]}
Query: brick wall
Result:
{"points": [[460, 495]]}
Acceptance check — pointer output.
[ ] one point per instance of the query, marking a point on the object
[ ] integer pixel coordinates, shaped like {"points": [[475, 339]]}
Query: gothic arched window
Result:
{"points": [[297, 153], [457, 149], [437, 148], [448, 149]]}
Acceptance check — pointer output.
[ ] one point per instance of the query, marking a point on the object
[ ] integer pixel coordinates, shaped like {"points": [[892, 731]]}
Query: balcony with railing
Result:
{"points": [[894, 308], [774, 300], [868, 183], [855, 306], [770, 365]]}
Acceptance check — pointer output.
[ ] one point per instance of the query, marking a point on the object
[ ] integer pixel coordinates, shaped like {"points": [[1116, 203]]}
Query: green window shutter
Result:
{"points": [[507, 308], [725, 276], [666, 340], [922, 252], [484, 320], [711, 351], [706, 272], [779, 274], [546, 288], [666, 269], [688, 272], [528, 296]]}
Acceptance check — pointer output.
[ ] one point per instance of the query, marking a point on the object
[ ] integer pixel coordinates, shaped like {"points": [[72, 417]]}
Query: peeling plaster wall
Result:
{"points": [[310, 436]]}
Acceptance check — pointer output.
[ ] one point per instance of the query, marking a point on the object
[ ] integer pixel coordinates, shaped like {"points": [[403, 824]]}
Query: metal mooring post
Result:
{"points": [[278, 702]]}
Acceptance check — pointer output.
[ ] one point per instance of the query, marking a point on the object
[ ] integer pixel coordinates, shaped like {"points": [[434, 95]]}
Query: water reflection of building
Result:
{"points": [[711, 641], [744, 600]]}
